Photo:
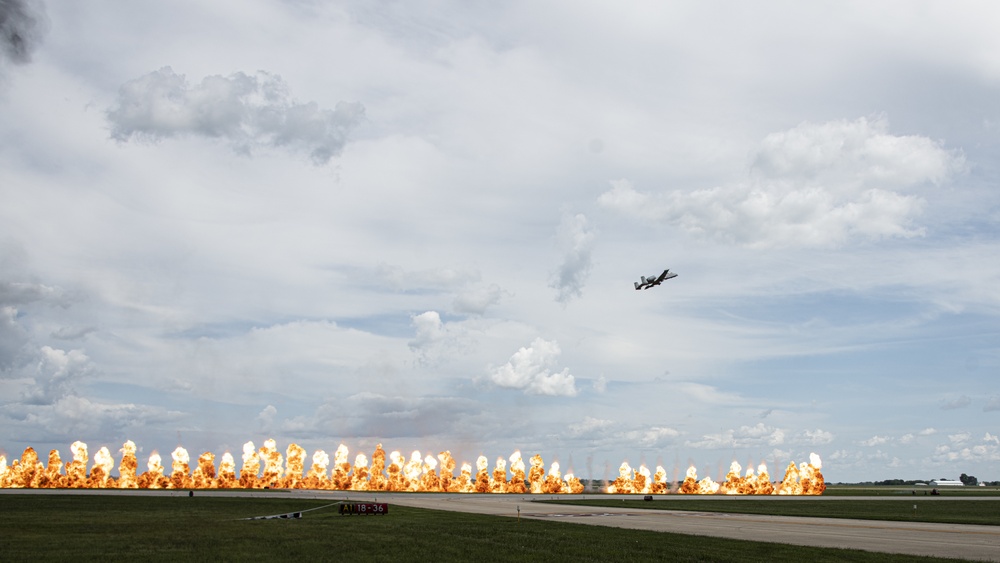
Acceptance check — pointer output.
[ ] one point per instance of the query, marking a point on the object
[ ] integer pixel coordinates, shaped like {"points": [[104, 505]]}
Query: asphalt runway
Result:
{"points": [[963, 541]]}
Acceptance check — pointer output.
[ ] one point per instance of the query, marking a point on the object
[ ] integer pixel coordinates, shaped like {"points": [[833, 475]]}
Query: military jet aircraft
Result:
{"points": [[651, 281]]}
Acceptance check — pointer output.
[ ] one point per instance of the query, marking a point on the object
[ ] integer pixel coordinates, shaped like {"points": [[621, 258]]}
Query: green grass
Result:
{"points": [[897, 509], [205, 528], [917, 492]]}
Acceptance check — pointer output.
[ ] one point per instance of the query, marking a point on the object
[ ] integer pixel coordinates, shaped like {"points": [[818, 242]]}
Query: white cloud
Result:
{"points": [[13, 339], [992, 404], [745, 436], [960, 449], [477, 301], [960, 438], [576, 241], [816, 185], [959, 402], [73, 417], [529, 369], [435, 340], [248, 111], [817, 437], [590, 426], [430, 329], [265, 419], [708, 394], [851, 156], [399, 278], [55, 374], [657, 436], [383, 416], [876, 441], [600, 384]]}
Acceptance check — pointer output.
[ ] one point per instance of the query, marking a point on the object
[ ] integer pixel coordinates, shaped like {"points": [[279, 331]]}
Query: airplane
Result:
{"points": [[649, 282]]}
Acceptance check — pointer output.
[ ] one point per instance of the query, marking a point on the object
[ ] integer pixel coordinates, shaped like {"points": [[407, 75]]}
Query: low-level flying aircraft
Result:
{"points": [[651, 281]]}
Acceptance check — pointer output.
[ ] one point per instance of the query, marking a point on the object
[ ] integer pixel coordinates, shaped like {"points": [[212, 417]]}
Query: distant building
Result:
{"points": [[946, 483]]}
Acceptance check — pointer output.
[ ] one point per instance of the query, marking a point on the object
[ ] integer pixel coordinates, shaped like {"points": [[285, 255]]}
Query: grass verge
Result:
{"points": [[902, 509], [83, 528]]}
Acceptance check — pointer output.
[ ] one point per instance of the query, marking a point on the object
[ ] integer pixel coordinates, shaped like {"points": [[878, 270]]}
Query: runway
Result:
{"points": [[963, 541]]}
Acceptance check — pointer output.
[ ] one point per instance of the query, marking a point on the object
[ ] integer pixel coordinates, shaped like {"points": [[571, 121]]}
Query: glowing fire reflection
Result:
{"points": [[267, 468]]}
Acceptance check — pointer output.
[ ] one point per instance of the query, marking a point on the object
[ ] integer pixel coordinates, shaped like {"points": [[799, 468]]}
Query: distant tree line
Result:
{"points": [[968, 480]]}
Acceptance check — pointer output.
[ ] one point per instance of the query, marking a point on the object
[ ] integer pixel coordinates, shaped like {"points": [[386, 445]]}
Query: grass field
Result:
{"points": [[942, 510], [82, 528], [859, 490]]}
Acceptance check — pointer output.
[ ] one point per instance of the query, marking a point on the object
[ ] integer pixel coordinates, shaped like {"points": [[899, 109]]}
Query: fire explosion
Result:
{"points": [[266, 468]]}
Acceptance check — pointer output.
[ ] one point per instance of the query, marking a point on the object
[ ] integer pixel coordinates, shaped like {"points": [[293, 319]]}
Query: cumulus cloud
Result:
{"points": [[875, 441], [248, 111], [988, 449], [20, 293], [55, 370], [430, 330], [854, 153], [590, 427], [433, 338], [22, 26], [817, 437], [13, 339], [55, 374], [576, 241], [73, 417], [960, 438], [745, 436], [655, 436], [383, 416], [266, 419], [73, 332], [435, 279], [476, 301], [600, 384], [529, 369], [959, 402], [814, 185]]}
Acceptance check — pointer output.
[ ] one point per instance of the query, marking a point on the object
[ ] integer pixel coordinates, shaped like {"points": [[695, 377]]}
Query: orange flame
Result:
{"points": [[266, 468]]}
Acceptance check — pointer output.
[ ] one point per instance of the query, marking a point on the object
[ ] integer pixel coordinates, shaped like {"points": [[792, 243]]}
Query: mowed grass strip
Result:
{"points": [[897, 509], [83, 528], [909, 491]]}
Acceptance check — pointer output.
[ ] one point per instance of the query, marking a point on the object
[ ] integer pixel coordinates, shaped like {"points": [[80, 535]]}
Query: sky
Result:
{"points": [[419, 224]]}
